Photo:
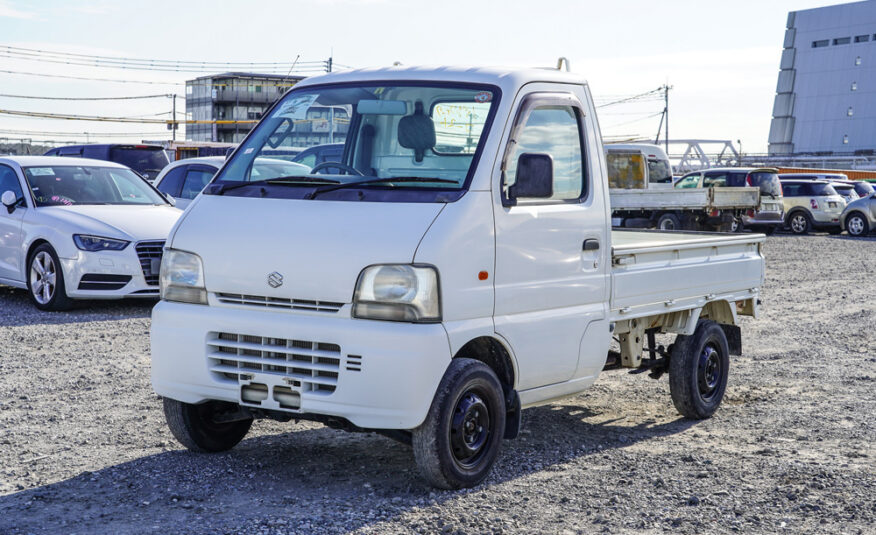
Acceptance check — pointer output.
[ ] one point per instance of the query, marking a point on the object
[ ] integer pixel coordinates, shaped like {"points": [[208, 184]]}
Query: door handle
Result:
{"points": [[590, 245]]}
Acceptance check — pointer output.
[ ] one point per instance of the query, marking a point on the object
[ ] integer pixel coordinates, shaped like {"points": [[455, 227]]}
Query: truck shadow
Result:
{"points": [[305, 481], [16, 309]]}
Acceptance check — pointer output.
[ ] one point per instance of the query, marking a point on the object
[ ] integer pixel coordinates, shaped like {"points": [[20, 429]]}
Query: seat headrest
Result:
{"points": [[417, 131]]}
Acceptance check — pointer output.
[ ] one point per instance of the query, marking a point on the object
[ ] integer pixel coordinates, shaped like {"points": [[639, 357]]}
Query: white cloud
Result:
{"points": [[7, 10]]}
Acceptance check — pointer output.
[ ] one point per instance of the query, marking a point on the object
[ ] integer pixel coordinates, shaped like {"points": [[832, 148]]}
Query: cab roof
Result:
{"points": [[508, 79]]}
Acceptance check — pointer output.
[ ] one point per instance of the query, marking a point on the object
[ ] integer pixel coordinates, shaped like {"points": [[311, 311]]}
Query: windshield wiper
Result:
{"points": [[402, 179], [290, 180]]}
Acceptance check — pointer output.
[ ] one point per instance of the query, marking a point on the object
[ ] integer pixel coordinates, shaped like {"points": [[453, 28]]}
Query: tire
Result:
{"points": [[857, 225], [737, 225], [194, 428], [698, 370], [668, 222], [459, 441], [799, 223], [769, 230], [45, 280]]}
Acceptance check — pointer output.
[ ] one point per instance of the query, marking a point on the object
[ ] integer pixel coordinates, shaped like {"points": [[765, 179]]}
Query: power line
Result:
{"points": [[83, 134], [632, 98], [91, 79], [69, 117], [211, 64], [34, 97]]}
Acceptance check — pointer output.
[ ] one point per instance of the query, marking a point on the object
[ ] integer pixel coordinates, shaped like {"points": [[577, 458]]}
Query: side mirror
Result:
{"points": [[9, 200], [535, 177]]}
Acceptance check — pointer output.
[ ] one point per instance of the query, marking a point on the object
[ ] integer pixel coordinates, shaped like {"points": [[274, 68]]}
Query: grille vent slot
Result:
{"points": [[149, 253], [354, 363], [305, 365], [279, 302]]}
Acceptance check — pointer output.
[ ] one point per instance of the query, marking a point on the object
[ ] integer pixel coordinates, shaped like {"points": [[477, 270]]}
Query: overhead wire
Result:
{"points": [[36, 97]]}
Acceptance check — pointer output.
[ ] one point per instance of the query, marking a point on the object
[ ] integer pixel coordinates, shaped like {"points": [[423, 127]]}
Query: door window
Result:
{"points": [[171, 184], [9, 182], [714, 179], [196, 179], [553, 130], [689, 181]]}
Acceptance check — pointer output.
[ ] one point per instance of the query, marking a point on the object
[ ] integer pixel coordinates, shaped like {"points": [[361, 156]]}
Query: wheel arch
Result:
{"points": [[494, 354]]}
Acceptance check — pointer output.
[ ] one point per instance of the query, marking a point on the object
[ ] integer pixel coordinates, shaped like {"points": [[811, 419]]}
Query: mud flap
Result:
{"points": [[734, 338], [513, 415]]}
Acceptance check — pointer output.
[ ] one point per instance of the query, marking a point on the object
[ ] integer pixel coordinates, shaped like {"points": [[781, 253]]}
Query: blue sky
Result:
{"points": [[721, 58]]}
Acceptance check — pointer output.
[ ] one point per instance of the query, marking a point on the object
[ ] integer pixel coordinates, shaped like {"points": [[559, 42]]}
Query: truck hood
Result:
{"points": [[129, 222], [318, 247]]}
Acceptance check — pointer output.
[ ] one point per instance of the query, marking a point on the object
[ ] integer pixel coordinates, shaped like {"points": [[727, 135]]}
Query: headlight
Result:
{"points": [[182, 277], [398, 292], [97, 243]]}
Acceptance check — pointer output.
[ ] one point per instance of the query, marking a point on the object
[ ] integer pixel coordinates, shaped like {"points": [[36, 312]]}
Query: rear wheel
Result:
{"points": [[45, 281], [799, 223], [737, 225], [459, 441], [668, 222], [200, 427], [857, 225], [698, 370]]}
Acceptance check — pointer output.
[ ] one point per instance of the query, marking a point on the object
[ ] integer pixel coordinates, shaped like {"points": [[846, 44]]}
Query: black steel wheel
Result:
{"points": [[199, 428], [460, 439], [698, 370], [669, 222]]}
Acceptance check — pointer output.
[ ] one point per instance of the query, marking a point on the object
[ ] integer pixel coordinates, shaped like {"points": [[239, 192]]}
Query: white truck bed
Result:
{"points": [[658, 272], [707, 199]]}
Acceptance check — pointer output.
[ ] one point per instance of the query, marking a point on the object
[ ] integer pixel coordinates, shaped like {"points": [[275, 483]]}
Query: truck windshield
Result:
{"points": [[69, 185], [359, 132]]}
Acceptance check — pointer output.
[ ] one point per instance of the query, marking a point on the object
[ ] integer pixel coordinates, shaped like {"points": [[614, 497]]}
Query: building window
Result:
{"points": [[258, 89], [862, 38], [850, 111], [842, 41], [857, 61], [819, 44], [846, 139], [854, 86]]}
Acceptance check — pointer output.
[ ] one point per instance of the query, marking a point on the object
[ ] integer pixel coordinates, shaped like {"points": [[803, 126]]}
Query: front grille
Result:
{"points": [[100, 281], [279, 302], [304, 365], [149, 253]]}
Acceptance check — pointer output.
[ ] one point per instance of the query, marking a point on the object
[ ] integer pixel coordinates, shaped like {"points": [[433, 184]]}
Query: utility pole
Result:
{"points": [[666, 88], [174, 125]]}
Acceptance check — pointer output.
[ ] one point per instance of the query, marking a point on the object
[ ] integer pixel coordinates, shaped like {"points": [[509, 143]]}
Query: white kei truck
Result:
{"points": [[455, 265]]}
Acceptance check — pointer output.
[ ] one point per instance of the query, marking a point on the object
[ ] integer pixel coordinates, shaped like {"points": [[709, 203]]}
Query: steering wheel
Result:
{"points": [[338, 165]]}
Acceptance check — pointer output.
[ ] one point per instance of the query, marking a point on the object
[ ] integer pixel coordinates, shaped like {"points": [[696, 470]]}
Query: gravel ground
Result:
{"points": [[84, 447]]}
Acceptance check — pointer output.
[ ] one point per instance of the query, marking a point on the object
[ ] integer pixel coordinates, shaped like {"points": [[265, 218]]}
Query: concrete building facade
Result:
{"points": [[231, 96], [825, 100]]}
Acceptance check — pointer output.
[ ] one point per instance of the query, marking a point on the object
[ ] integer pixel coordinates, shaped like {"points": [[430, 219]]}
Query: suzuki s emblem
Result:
{"points": [[275, 280]]}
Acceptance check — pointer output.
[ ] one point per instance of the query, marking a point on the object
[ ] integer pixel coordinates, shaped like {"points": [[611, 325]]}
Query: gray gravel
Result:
{"points": [[84, 448]]}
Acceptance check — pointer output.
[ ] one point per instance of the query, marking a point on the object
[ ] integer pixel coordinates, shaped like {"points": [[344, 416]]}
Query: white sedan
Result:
{"points": [[73, 228]]}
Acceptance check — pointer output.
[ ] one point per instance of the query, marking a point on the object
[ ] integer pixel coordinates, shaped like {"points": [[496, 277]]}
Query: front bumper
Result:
{"points": [[112, 263], [385, 378]]}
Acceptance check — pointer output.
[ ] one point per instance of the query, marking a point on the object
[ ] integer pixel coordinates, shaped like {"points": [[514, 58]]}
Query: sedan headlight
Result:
{"points": [[398, 292], [182, 277], [98, 243]]}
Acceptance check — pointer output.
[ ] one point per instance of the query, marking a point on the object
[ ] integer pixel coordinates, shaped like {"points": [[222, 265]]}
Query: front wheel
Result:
{"points": [[669, 222], [45, 280], [459, 441], [857, 225], [698, 370], [200, 427]]}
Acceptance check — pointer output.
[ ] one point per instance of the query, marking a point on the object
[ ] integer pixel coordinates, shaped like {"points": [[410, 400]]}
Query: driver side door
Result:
{"points": [[11, 261]]}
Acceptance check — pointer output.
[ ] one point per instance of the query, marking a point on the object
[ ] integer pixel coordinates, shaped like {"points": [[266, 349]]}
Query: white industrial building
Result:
{"points": [[826, 94]]}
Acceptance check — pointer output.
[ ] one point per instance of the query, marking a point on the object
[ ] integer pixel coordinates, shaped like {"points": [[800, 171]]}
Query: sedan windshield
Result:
{"points": [[357, 133], [69, 185]]}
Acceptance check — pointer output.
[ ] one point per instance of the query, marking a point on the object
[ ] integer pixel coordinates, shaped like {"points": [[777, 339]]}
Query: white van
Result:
{"points": [[637, 166]]}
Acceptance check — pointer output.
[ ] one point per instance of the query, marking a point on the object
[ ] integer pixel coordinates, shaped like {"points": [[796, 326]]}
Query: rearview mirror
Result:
{"points": [[534, 178], [9, 200]]}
